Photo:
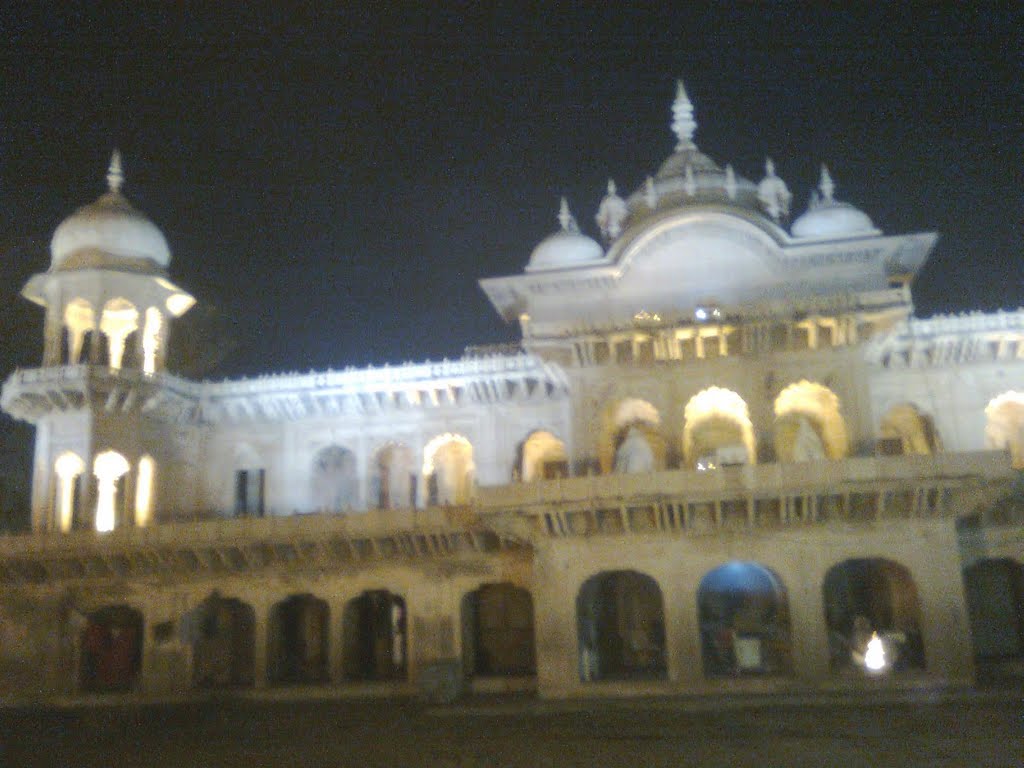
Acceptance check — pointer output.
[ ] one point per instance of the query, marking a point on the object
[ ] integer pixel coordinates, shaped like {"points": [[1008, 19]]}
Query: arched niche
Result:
{"points": [[632, 440], [118, 322], [111, 650], [620, 622], [744, 621], [541, 456], [111, 470], [869, 597], [223, 634], [717, 430], [906, 430], [995, 602], [335, 480], [497, 631], [1004, 425], [393, 484], [375, 637], [448, 470], [79, 323], [68, 469], [808, 424], [299, 640]]}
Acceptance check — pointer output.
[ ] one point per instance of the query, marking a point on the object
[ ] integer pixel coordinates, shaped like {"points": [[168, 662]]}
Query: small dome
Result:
{"points": [[833, 220], [566, 248], [827, 218], [109, 233]]}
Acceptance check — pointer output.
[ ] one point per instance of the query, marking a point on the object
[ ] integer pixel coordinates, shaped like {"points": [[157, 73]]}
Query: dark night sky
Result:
{"points": [[333, 183]]}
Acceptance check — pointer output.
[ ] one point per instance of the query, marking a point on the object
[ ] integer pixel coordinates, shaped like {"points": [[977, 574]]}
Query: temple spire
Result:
{"points": [[115, 174], [565, 217], [683, 124]]}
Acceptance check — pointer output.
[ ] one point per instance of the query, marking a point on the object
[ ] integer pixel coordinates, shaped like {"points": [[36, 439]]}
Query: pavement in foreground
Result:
{"points": [[923, 730]]}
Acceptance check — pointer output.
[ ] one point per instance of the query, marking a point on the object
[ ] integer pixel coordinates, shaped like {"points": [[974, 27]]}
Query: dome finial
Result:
{"points": [[683, 124], [115, 174], [565, 217], [826, 185]]}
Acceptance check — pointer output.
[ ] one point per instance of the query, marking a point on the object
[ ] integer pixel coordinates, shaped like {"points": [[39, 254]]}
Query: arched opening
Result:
{"points": [[632, 441], [541, 456], [111, 650], [144, 487], [904, 430], [744, 621], [224, 642], [497, 631], [375, 639], [120, 319], [335, 480], [394, 480], [1004, 425], [808, 424], [110, 469], [448, 470], [995, 602], [67, 502], [299, 632], [717, 430], [871, 599], [79, 321], [620, 627]]}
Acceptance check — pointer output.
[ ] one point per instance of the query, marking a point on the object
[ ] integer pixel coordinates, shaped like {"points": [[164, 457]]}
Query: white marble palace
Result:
{"points": [[724, 457]]}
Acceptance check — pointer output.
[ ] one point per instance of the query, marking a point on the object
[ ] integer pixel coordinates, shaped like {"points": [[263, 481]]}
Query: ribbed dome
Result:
{"points": [[109, 233], [566, 248]]}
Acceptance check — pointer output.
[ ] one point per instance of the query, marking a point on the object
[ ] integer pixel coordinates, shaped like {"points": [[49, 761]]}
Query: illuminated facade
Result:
{"points": [[724, 457]]}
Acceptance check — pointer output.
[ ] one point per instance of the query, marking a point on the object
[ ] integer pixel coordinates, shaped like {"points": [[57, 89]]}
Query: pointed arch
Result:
{"points": [[335, 480], [69, 468], [448, 469], [809, 424], [109, 468], [1004, 425], [79, 321], [717, 430], [393, 483], [541, 456], [905, 429], [119, 320], [631, 439]]}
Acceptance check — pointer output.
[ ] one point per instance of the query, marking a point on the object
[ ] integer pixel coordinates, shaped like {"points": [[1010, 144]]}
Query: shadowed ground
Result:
{"points": [[971, 730]]}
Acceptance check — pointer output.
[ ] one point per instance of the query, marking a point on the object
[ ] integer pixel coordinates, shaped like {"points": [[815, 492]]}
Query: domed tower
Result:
{"points": [[95, 402], [106, 294]]}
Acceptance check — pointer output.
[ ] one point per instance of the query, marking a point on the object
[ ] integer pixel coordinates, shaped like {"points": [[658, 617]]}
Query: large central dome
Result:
{"points": [[109, 233]]}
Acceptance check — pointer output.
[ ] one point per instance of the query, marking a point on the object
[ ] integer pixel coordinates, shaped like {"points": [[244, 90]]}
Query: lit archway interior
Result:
{"points": [[335, 480], [808, 424], [1004, 425], [119, 320], [620, 627], [717, 430], [109, 468], [223, 643], [68, 468], [865, 597], [632, 440], [995, 602], [299, 640], [497, 631], [448, 470], [79, 320], [144, 487], [375, 637], [744, 621], [542, 456], [905, 430], [394, 480]]}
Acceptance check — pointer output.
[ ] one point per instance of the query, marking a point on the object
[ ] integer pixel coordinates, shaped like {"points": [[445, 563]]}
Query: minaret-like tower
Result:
{"points": [[108, 303]]}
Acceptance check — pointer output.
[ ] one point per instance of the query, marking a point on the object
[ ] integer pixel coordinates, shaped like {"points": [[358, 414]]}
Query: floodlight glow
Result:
{"points": [[874, 655]]}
